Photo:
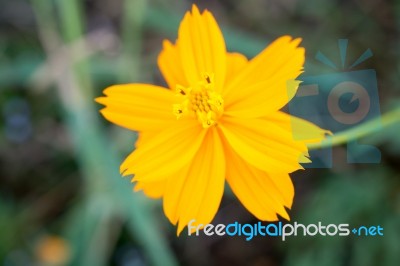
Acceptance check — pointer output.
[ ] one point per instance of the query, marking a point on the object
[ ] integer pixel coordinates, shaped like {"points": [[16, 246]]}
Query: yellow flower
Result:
{"points": [[53, 251], [219, 120]]}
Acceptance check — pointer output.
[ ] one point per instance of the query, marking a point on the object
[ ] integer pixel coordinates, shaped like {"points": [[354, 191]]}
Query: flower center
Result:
{"points": [[200, 101]]}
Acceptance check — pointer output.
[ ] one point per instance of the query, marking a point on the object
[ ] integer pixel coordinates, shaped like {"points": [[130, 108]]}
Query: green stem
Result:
{"points": [[360, 131]]}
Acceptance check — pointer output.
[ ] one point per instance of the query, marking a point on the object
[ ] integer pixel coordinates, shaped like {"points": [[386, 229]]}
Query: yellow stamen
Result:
{"points": [[200, 101]]}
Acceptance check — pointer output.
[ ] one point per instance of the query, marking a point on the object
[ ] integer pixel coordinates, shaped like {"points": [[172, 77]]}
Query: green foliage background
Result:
{"points": [[59, 159]]}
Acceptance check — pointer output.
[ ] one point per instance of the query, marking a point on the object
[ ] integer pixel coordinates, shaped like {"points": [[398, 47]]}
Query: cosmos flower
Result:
{"points": [[218, 121]]}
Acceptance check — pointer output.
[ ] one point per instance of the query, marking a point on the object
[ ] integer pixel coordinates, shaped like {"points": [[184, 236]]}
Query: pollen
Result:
{"points": [[200, 101]]}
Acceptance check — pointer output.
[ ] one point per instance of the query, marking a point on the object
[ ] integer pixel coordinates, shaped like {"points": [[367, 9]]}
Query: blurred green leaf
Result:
{"points": [[359, 198]]}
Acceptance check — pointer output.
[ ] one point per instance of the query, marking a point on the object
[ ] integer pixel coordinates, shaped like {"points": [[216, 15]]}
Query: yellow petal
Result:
{"points": [[266, 98], [202, 47], [263, 194], [235, 62], [170, 65], [304, 158], [263, 144], [138, 106], [196, 192], [145, 137], [302, 130], [267, 82], [166, 153], [153, 190]]}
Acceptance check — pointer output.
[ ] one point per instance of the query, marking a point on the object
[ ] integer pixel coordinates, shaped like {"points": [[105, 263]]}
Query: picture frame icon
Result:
{"points": [[339, 101]]}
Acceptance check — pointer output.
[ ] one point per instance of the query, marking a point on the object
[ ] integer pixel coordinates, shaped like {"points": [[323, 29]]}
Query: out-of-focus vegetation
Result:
{"points": [[62, 201]]}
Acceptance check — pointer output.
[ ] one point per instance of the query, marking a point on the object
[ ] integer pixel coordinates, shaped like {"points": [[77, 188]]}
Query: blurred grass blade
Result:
{"points": [[132, 24], [71, 20], [98, 162], [92, 232]]}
